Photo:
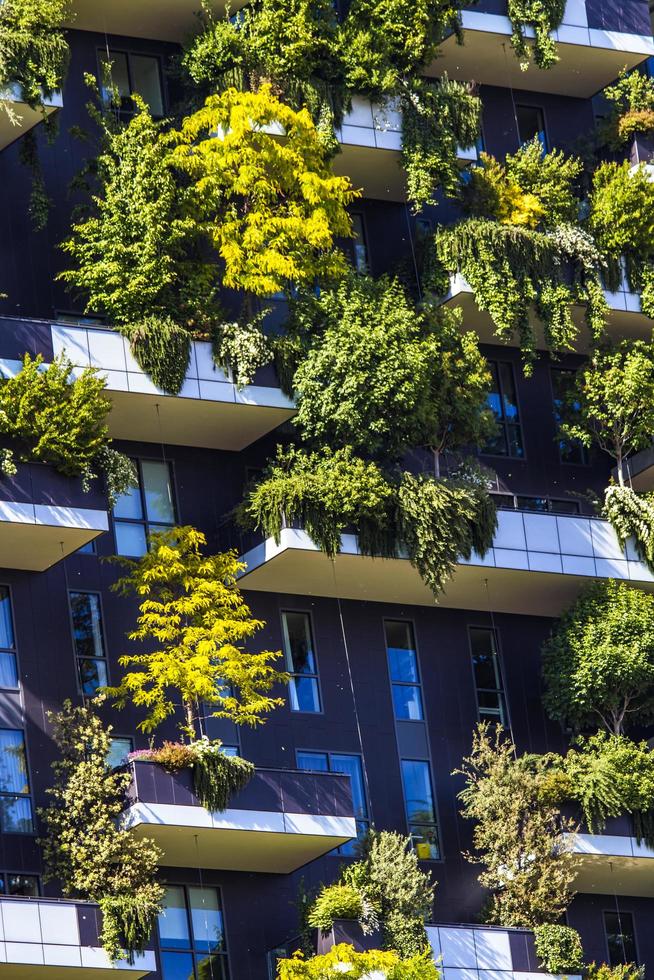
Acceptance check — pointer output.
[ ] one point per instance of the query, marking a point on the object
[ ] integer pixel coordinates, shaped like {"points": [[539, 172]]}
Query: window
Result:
{"points": [[359, 246], [351, 766], [192, 935], [86, 617], [420, 810], [17, 884], [531, 122], [570, 450], [300, 662], [8, 665], [503, 402], [132, 74], [119, 749], [15, 803], [403, 668], [488, 676], [145, 508], [620, 937], [547, 505]]}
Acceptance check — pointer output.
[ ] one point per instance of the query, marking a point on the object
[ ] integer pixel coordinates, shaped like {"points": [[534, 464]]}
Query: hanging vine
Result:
{"points": [[544, 17]]}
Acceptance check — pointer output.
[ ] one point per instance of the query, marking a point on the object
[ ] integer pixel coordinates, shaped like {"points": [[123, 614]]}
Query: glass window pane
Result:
{"points": [[304, 694], [620, 937], [298, 643], [484, 658], [514, 437], [418, 794], [129, 505], [8, 670], [509, 397], [351, 765], [314, 761], [407, 702], [425, 842], [13, 762], [92, 675], [359, 244], [206, 919], [16, 815], [27, 885], [87, 624], [400, 644], [130, 540], [7, 641], [173, 921], [119, 78], [158, 492], [531, 122], [493, 399], [211, 967], [177, 966], [119, 749], [146, 81], [230, 750]]}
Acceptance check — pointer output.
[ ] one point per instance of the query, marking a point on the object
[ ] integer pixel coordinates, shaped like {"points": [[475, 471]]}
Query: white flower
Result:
{"points": [[342, 967]]}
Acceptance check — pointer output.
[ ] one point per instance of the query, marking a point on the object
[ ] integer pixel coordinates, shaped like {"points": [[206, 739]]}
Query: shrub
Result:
{"points": [[622, 971], [216, 776], [559, 949], [632, 98], [335, 902], [358, 966]]}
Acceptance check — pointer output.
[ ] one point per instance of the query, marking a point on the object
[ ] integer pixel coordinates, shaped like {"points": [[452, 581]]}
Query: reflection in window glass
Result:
{"points": [[359, 244], [304, 694], [8, 665], [488, 676], [173, 921], [88, 640], [15, 804], [192, 920], [119, 749], [620, 937], [206, 918], [26, 886], [351, 766], [503, 402], [132, 74], [144, 509], [570, 450], [419, 802], [403, 667], [531, 122]]}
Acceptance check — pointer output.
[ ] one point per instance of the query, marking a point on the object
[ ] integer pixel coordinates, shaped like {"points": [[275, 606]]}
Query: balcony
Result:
{"points": [[537, 566], [625, 317], [279, 822], [158, 20], [56, 940], [371, 143], [613, 862], [596, 40], [45, 517], [210, 411], [17, 118]]}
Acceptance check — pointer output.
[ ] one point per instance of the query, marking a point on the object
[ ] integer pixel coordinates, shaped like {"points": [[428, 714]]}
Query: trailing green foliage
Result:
{"points": [[216, 776], [33, 49], [162, 348], [85, 846], [358, 966], [632, 102], [544, 16], [240, 348], [559, 949], [193, 613], [337, 901], [519, 835], [598, 664], [621, 218], [48, 416], [631, 515], [381, 376]]}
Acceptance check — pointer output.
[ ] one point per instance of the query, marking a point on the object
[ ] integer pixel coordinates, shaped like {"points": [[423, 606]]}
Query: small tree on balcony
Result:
{"points": [[194, 615], [598, 665]]}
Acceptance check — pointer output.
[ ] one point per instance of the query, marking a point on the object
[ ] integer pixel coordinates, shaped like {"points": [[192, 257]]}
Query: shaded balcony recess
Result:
{"points": [[371, 143], [45, 516], [157, 20], [596, 40], [624, 319], [210, 412], [537, 566], [279, 822], [24, 117], [58, 939]]}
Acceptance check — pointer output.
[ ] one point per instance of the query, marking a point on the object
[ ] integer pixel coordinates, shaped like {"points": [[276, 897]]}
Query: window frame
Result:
{"points": [[504, 700], [437, 823], [316, 675], [364, 238], [328, 753], [105, 647], [502, 423], [14, 651], [527, 510], [104, 55], [585, 451], [620, 913], [193, 951], [4, 875], [25, 796], [144, 522], [411, 625], [545, 142]]}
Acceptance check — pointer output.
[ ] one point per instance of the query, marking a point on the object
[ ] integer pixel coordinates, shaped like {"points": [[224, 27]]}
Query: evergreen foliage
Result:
{"points": [[192, 611], [544, 16], [48, 416], [528, 864], [335, 902], [559, 949], [358, 966], [85, 847], [598, 664]]}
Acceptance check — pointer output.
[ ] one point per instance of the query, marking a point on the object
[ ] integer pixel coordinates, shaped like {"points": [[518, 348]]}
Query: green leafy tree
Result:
{"points": [[195, 616], [519, 835], [85, 847], [33, 48], [358, 966], [598, 665], [381, 376]]}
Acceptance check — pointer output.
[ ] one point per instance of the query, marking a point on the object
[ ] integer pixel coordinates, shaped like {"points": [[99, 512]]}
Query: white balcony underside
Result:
{"points": [[614, 865], [17, 118], [157, 20], [537, 566], [624, 318], [589, 58], [35, 536], [238, 840]]}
